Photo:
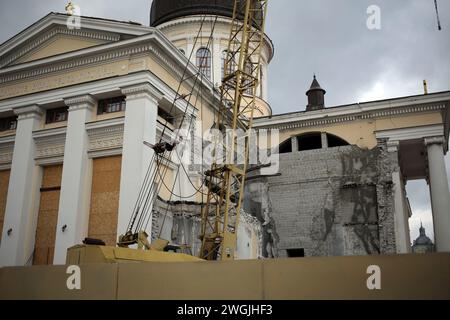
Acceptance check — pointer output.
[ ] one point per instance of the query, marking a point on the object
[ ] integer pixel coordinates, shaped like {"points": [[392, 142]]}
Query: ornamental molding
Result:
{"points": [[410, 133], [434, 140], [50, 144], [60, 30], [329, 120], [80, 102], [77, 62], [142, 89], [29, 112], [6, 151], [97, 88], [105, 137], [74, 63]]}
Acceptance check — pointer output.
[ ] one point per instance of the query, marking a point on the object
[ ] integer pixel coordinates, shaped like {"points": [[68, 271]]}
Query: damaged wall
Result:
{"points": [[328, 202], [179, 223]]}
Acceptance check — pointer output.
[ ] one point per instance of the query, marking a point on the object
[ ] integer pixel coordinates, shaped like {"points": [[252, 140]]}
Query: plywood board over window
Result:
{"points": [[4, 183], [105, 199], [48, 215]]}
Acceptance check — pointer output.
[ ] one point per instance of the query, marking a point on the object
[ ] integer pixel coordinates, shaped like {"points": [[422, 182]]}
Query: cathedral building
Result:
{"points": [[77, 105]]}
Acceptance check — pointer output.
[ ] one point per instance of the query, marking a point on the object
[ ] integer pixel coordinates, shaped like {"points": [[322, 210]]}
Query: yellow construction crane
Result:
{"points": [[226, 179]]}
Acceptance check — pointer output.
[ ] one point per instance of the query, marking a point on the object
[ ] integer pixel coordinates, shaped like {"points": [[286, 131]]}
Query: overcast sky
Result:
{"points": [[326, 37]]}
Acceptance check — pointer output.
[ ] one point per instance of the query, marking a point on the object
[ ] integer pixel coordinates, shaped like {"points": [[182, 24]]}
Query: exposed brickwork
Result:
{"points": [[335, 201]]}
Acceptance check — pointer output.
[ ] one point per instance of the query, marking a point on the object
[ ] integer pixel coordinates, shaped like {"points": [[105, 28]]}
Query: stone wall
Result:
{"points": [[329, 202]]}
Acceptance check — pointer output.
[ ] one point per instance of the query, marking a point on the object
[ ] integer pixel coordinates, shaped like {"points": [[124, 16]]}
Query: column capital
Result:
{"points": [[28, 112], [142, 89], [434, 140], [80, 102], [393, 145]]}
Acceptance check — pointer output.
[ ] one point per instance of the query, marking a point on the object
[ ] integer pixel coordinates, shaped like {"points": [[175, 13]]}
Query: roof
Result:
{"points": [[166, 10], [315, 86], [390, 101]]}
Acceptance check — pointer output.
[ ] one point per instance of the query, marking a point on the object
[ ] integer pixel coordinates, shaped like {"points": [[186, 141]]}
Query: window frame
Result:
{"points": [[115, 105], [204, 62], [8, 124], [51, 115]]}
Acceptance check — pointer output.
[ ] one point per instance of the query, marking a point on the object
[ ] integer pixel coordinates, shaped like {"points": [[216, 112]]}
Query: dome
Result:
{"points": [[166, 10], [423, 239]]}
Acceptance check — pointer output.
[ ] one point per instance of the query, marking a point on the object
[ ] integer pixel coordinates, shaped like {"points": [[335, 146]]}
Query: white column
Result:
{"points": [[294, 143], [324, 138], [400, 218], [217, 62], [140, 125], [21, 214], [189, 48], [265, 93], [76, 180], [440, 195], [181, 156]]}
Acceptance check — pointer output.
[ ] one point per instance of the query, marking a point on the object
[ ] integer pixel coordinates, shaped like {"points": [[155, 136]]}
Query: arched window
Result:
{"points": [[335, 141], [204, 61], [312, 141], [285, 147]]}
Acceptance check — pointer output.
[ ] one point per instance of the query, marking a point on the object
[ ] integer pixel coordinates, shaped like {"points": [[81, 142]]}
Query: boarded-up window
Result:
{"points": [[4, 182], [48, 215], [105, 199]]}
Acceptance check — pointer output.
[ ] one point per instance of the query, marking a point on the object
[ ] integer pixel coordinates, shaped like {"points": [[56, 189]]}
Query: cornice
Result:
{"points": [[95, 88], [73, 63], [60, 30], [357, 114], [410, 133]]}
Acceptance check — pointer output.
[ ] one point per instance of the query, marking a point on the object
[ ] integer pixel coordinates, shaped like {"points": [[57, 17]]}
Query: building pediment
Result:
{"points": [[51, 36]]}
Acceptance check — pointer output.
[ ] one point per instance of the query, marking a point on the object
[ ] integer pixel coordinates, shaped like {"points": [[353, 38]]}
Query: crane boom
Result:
{"points": [[226, 179], [437, 15]]}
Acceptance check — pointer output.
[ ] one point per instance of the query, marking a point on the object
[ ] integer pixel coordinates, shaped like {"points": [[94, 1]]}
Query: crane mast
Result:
{"points": [[226, 178]]}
